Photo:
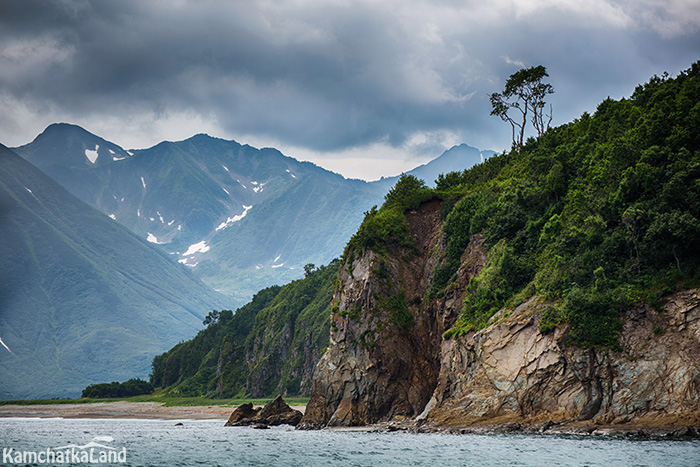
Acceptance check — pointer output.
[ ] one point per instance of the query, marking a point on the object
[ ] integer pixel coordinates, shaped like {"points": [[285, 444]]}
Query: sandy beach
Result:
{"points": [[121, 409]]}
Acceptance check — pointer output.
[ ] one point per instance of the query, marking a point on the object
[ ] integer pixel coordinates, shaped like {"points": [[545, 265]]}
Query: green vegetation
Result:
{"points": [[396, 308], [133, 387], [388, 225], [260, 350], [594, 216]]}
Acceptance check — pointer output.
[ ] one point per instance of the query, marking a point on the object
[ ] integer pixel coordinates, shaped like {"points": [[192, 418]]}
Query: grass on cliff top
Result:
{"points": [[168, 401]]}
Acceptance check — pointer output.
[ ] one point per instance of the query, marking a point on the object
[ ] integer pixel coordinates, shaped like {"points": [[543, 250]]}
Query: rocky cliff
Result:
{"points": [[383, 361], [388, 360], [511, 373]]}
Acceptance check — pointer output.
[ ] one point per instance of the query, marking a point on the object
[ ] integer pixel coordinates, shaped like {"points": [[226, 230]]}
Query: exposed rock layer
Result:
{"points": [[378, 371], [512, 371]]}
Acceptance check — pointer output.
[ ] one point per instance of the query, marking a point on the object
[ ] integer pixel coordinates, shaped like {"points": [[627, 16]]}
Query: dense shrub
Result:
{"points": [[596, 215], [133, 387]]}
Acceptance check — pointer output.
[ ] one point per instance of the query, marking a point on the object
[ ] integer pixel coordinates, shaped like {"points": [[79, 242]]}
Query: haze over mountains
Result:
{"points": [[82, 299], [241, 218], [89, 296]]}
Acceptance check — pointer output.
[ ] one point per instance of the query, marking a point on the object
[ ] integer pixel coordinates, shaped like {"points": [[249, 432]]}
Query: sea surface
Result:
{"points": [[204, 442]]}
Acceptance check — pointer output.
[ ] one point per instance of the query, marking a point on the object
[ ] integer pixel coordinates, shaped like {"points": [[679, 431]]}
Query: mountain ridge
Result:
{"points": [[201, 198], [75, 284]]}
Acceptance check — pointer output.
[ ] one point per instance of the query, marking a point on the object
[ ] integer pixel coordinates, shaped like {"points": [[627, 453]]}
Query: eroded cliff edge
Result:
{"points": [[388, 361]]}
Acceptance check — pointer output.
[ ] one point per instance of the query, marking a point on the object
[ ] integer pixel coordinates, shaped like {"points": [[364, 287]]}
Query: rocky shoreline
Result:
{"points": [[636, 430]]}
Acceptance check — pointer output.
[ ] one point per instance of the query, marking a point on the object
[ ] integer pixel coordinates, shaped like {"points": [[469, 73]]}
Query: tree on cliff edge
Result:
{"points": [[524, 96]]}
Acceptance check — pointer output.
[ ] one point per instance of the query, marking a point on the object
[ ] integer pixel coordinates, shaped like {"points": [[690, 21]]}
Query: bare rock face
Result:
{"points": [[512, 372], [242, 412], [274, 413], [384, 356]]}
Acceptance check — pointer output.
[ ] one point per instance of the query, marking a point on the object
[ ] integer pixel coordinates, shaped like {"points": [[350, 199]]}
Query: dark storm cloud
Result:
{"points": [[326, 76]]}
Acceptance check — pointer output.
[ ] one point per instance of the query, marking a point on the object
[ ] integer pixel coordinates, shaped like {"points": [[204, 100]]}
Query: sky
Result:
{"points": [[364, 88]]}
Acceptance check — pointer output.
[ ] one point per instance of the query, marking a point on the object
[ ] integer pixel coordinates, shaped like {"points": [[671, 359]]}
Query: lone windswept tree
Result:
{"points": [[523, 99]]}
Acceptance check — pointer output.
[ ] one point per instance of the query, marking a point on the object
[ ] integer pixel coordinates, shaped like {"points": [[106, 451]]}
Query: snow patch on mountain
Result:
{"points": [[199, 247], [92, 154], [153, 239], [233, 219]]}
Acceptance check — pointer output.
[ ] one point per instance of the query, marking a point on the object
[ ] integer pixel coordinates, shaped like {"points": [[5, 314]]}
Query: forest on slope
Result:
{"points": [[269, 346]]}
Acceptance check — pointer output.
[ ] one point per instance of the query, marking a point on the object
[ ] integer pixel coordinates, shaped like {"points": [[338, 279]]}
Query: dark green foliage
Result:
{"points": [[259, 349], [388, 225], [212, 317], [198, 357], [596, 215], [378, 227], [408, 192], [551, 318], [288, 332], [133, 387], [466, 218], [593, 316]]}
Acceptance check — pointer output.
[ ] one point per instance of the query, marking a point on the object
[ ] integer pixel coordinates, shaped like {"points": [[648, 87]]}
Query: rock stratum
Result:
{"points": [[388, 361]]}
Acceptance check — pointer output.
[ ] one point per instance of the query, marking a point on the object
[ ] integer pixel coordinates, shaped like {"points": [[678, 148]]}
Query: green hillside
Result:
{"points": [[269, 346], [594, 216], [82, 299]]}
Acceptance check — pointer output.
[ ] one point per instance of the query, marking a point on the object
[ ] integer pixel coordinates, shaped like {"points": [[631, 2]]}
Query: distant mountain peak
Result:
{"points": [[70, 146], [455, 159]]}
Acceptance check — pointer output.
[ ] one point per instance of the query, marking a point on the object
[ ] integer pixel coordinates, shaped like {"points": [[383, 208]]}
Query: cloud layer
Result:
{"points": [[322, 78]]}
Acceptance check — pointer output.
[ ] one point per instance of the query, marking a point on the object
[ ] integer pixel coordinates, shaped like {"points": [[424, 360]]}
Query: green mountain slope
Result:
{"points": [[594, 216], [82, 299], [269, 346]]}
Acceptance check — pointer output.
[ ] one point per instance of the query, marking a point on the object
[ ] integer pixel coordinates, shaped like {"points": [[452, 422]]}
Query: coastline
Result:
{"points": [[122, 410], [158, 411]]}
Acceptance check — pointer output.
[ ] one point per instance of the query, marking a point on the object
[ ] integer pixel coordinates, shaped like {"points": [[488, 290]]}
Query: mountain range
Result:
{"points": [[241, 218], [82, 299]]}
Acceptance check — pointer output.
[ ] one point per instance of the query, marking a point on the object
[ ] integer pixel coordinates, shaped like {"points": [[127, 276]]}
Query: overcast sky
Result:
{"points": [[364, 88]]}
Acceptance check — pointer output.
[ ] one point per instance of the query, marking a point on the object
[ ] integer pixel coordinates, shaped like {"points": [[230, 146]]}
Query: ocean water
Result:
{"points": [[209, 443]]}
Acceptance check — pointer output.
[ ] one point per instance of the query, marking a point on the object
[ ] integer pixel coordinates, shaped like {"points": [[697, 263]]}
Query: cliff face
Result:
{"points": [[512, 372], [383, 361], [387, 358]]}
